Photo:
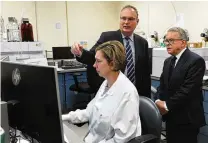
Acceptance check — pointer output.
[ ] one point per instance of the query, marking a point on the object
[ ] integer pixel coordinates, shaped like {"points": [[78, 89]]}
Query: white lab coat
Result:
{"points": [[113, 116]]}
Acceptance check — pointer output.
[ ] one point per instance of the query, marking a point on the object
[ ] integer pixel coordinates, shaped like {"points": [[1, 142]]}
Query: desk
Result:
{"points": [[71, 136], [60, 70], [64, 74]]}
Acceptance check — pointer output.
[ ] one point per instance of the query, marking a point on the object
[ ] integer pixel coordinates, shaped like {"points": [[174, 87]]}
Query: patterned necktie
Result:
{"points": [[172, 65], [130, 61]]}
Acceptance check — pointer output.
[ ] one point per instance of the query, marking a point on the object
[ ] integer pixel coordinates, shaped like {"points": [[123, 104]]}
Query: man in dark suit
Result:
{"points": [[137, 66], [180, 91]]}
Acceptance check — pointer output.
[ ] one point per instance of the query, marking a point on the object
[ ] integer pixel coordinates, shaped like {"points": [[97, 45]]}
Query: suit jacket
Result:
{"points": [[142, 67], [183, 92]]}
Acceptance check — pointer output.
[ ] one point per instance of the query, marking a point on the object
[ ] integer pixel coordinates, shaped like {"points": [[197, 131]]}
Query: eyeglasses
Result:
{"points": [[127, 18], [170, 41]]}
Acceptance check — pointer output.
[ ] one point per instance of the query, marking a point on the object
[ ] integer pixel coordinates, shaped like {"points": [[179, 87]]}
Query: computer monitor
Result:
{"points": [[62, 53], [32, 95]]}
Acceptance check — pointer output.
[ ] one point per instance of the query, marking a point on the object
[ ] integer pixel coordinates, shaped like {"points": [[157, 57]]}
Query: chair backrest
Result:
{"points": [[93, 79], [150, 116]]}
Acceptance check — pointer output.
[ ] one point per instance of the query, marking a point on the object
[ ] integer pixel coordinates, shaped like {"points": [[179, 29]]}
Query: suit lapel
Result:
{"points": [[166, 71], [179, 64], [136, 48], [120, 38]]}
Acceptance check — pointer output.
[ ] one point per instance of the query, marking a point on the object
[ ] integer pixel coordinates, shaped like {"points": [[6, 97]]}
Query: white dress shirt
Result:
{"points": [[113, 114]]}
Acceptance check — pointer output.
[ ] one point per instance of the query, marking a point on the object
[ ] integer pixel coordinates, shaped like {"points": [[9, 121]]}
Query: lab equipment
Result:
{"points": [[13, 32], [155, 40], [204, 36], [26, 30], [2, 29]]}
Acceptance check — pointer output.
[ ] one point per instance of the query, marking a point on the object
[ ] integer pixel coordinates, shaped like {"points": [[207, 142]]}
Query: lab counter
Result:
{"points": [[160, 54]]}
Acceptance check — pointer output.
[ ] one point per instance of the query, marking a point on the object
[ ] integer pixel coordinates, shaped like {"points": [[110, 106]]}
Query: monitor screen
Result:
{"points": [[62, 53], [32, 95]]}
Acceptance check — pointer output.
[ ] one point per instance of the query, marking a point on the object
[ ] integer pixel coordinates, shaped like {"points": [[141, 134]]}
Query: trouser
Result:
{"points": [[186, 133]]}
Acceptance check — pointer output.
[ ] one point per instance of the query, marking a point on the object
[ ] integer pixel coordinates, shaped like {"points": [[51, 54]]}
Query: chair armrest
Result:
{"points": [[75, 75], [148, 138]]}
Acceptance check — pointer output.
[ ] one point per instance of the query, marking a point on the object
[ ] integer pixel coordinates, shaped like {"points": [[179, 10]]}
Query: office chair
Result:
{"points": [[151, 122], [153, 97], [81, 87]]}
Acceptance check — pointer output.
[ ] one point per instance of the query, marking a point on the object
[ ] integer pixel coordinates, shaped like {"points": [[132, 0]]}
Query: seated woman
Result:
{"points": [[113, 114]]}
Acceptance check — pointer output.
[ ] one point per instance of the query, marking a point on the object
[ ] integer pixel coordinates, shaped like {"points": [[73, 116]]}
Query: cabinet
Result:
{"points": [[64, 88]]}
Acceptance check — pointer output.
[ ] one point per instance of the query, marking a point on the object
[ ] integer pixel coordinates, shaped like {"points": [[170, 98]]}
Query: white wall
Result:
{"points": [[48, 15], [86, 20], [159, 16]]}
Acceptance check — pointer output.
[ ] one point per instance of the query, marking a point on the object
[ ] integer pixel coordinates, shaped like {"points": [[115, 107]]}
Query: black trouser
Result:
{"points": [[181, 133]]}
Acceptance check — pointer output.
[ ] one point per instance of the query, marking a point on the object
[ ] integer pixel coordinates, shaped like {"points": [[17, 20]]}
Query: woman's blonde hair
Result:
{"points": [[114, 51]]}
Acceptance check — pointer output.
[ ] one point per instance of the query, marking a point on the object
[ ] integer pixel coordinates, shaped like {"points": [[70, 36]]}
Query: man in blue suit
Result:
{"points": [[139, 69], [179, 96]]}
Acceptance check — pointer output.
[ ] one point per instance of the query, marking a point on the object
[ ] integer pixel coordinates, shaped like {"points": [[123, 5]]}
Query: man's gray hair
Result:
{"points": [[182, 33], [130, 6]]}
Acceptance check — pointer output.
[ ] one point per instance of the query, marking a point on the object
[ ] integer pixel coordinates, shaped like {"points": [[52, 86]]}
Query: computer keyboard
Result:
{"points": [[72, 67], [71, 63]]}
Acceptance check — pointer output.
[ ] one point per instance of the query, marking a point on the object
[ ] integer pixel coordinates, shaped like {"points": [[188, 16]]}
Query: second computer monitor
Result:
{"points": [[62, 53]]}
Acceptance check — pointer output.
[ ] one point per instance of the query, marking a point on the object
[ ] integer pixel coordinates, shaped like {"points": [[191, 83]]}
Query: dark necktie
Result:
{"points": [[130, 61], [172, 65]]}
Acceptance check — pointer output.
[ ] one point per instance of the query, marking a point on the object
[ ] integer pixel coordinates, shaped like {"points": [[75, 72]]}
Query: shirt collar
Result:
{"points": [[179, 54], [130, 37], [111, 90]]}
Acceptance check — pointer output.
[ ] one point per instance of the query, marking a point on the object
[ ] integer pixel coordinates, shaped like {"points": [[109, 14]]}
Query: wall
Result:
{"points": [[86, 20], [50, 14], [159, 16], [77, 20]]}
